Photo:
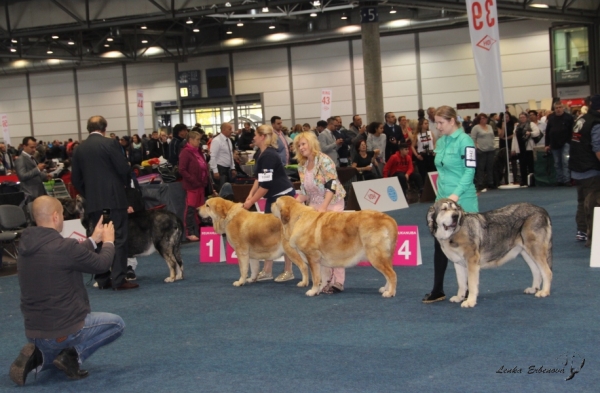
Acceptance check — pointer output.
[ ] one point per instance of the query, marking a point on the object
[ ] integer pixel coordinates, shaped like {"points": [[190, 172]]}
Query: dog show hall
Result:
{"points": [[133, 67]]}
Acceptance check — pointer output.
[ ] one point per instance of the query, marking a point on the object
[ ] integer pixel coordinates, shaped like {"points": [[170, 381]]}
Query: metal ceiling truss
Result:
{"points": [[167, 28]]}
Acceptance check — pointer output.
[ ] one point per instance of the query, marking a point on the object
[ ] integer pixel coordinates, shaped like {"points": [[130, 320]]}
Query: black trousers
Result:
{"points": [[414, 177], [440, 263], [526, 165], [119, 218], [224, 175]]}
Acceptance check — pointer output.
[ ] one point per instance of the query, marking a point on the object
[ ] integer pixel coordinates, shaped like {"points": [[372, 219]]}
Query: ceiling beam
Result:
{"points": [[160, 7], [67, 11]]}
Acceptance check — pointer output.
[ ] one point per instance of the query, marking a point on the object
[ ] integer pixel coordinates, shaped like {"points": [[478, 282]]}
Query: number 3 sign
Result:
{"points": [[408, 247]]}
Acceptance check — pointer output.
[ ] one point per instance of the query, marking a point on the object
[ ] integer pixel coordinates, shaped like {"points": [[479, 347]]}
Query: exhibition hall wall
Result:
{"points": [[289, 78]]}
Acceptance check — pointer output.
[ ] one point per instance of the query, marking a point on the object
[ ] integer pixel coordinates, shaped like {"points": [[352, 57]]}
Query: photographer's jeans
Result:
{"points": [[561, 164], [99, 329]]}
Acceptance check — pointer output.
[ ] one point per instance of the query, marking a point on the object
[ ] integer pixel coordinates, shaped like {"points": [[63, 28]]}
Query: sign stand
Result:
{"points": [[430, 188]]}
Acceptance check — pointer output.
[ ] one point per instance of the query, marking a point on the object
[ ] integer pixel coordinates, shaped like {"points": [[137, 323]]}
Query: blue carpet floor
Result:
{"points": [[202, 334]]}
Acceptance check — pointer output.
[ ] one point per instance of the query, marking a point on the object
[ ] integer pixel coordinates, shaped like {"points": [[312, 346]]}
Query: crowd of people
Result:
{"points": [[60, 327]]}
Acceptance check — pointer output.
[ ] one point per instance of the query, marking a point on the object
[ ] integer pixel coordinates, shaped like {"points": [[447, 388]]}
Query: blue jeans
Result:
{"points": [[561, 163], [99, 329]]}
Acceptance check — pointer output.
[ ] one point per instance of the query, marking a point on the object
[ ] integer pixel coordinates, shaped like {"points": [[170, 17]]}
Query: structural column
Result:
{"points": [[372, 61]]}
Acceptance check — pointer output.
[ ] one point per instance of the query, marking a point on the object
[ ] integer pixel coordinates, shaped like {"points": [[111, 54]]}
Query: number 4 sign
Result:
{"points": [[408, 247], [211, 246]]}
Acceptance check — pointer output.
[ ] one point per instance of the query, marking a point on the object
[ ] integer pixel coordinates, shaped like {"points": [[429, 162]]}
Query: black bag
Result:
{"points": [[168, 173]]}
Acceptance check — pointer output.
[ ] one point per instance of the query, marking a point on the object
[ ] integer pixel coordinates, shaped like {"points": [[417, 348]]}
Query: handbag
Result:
{"points": [[168, 173]]}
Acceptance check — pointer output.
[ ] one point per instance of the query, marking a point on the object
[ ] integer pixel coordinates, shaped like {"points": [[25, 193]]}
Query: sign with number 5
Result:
{"points": [[408, 247]]}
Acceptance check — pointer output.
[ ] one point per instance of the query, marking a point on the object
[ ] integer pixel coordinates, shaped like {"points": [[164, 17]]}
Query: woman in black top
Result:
{"points": [[364, 161], [271, 183]]}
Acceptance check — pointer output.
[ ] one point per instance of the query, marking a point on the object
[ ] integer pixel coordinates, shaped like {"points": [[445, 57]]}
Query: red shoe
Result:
{"points": [[126, 285]]}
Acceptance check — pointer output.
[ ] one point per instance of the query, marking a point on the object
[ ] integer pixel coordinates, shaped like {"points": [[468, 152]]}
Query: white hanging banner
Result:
{"points": [[140, 112], [485, 43], [5, 132], [326, 102]]}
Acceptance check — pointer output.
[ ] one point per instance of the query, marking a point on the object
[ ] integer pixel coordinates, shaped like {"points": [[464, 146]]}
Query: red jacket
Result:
{"points": [[397, 163]]}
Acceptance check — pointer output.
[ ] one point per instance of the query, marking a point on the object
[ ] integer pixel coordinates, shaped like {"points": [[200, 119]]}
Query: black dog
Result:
{"points": [[149, 231]]}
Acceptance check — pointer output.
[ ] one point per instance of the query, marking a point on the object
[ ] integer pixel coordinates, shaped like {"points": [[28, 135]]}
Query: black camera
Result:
{"points": [[105, 216]]}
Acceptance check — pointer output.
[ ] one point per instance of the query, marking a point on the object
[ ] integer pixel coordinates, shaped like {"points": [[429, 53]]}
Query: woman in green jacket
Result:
{"points": [[455, 163]]}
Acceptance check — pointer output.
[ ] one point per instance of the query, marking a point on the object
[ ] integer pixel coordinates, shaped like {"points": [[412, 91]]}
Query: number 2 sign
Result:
{"points": [[408, 247]]}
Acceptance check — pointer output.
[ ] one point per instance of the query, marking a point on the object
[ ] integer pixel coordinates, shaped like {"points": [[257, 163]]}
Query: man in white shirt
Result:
{"points": [[222, 165]]}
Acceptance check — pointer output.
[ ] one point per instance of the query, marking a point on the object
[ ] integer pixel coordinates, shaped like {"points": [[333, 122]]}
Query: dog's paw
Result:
{"points": [[468, 303], [177, 278], [457, 299], [382, 290], [387, 293], [250, 280], [302, 284], [312, 292], [238, 283], [169, 279], [542, 293], [530, 290]]}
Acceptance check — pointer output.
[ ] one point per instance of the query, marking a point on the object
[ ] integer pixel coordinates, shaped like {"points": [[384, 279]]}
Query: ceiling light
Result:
{"points": [[54, 37], [196, 30], [106, 45], [313, 15], [229, 32], [539, 5], [344, 17], [393, 11], [13, 49], [49, 51], [316, 3], [144, 41], [143, 27], [110, 39], [70, 42], [265, 9], [228, 4], [271, 27], [189, 21], [240, 23], [14, 41]]}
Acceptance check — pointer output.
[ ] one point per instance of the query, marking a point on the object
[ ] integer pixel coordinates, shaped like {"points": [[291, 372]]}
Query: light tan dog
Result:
{"points": [[339, 239], [253, 236]]}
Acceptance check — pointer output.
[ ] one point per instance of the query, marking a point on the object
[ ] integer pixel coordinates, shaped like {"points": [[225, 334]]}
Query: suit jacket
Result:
{"points": [[100, 173], [328, 146], [392, 132], [30, 176]]}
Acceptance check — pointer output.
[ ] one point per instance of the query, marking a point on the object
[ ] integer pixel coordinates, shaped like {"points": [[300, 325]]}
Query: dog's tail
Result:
{"points": [[549, 234]]}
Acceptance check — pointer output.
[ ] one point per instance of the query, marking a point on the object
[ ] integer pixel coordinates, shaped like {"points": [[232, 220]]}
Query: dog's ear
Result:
{"points": [[220, 207], [432, 219]]}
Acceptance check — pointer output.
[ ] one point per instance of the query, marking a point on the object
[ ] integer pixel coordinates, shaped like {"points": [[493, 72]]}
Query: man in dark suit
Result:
{"points": [[393, 134], [31, 173], [100, 174]]}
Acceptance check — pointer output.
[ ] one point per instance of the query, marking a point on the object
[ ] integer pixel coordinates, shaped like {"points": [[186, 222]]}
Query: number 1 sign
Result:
{"points": [[408, 247], [211, 246]]}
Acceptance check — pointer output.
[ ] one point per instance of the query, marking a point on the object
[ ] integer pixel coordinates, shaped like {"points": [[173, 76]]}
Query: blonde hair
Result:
{"points": [[448, 113], [193, 135], [270, 137], [313, 143]]}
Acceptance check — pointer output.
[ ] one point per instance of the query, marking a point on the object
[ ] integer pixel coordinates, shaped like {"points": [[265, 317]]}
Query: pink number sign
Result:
{"points": [[230, 255], [210, 245], [408, 247]]}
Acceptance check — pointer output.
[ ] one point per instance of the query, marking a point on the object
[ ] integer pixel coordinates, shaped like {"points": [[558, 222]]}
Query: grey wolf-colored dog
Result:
{"points": [[149, 231], [475, 241]]}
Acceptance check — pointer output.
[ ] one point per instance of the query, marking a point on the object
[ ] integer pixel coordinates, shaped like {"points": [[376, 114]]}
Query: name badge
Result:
{"points": [[344, 160], [262, 177], [470, 157]]}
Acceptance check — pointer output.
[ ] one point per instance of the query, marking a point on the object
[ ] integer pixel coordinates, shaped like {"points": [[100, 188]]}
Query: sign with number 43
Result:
{"points": [[408, 247]]}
